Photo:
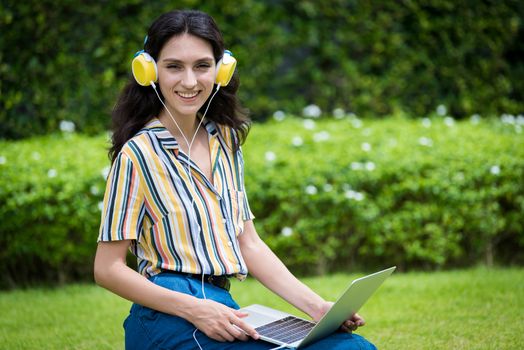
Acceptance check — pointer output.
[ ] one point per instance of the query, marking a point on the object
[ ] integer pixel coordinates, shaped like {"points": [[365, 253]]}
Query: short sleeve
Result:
{"points": [[123, 206], [245, 210]]}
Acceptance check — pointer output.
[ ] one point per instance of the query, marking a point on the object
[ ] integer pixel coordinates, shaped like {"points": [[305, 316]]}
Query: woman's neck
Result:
{"points": [[187, 126]]}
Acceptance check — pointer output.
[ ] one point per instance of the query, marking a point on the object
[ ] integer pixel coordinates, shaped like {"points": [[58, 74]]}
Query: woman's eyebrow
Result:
{"points": [[175, 60]]}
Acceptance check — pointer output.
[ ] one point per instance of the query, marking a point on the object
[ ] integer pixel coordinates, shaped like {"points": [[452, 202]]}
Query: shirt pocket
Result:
{"points": [[237, 206]]}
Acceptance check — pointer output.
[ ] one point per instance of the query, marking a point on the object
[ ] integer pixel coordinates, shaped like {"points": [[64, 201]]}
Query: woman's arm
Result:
{"points": [[266, 267], [216, 320]]}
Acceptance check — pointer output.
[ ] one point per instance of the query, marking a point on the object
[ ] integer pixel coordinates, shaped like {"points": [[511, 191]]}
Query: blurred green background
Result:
{"points": [[67, 60], [387, 132]]}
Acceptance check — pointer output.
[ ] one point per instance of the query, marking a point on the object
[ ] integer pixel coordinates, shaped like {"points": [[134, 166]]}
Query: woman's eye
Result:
{"points": [[174, 66], [203, 66]]}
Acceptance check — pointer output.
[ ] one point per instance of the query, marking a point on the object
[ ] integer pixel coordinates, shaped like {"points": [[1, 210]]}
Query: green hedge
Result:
{"points": [[67, 60], [327, 194], [432, 193], [50, 188]]}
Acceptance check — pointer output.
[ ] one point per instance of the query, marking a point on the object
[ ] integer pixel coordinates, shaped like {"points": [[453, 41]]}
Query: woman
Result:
{"points": [[175, 197]]}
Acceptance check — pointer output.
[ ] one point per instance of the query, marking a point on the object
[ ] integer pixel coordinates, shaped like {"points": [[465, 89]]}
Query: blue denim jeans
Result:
{"points": [[146, 328]]}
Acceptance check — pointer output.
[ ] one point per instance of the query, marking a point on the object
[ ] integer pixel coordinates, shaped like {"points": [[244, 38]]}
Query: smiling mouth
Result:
{"points": [[187, 95]]}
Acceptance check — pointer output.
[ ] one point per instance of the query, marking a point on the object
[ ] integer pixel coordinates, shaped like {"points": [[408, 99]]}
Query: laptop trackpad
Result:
{"points": [[260, 315]]}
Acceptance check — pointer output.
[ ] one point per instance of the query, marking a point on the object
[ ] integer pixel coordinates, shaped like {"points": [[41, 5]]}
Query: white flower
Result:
{"points": [[94, 190], [474, 119], [328, 188], [426, 122], [3, 160], [100, 206], [105, 172], [357, 166], [449, 121], [507, 118], [366, 147], [36, 155], [297, 141], [312, 111], [425, 141], [309, 124], [339, 113], [67, 126], [495, 170], [350, 194], [321, 136], [286, 231], [357, 123], [369, 166], [51, 173], [359, 196], [520, 119], [442, 110], [270, 156], [311, 190], [279, 116]]}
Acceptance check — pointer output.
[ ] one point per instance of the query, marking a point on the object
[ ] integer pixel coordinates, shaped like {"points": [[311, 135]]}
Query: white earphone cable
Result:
{"points": [[189, 144], [188, 169]]}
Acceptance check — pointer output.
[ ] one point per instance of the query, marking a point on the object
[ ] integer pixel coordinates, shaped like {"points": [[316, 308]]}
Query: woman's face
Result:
{"points": [[186, 74]]}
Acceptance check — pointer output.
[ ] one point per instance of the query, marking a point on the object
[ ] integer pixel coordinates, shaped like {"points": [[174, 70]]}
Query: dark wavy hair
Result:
{"points": [[137, 104]]}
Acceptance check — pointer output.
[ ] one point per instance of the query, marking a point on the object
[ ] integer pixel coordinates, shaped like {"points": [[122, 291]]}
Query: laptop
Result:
{"points": [[284, 329]]}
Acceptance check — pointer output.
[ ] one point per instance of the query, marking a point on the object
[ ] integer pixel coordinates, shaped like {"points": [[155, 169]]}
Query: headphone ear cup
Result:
{"points": [[225, 69], [144, 69]]}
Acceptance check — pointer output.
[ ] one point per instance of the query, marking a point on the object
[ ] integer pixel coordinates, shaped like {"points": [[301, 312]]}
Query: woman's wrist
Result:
{"points": [[317, 307], [182, 304]]}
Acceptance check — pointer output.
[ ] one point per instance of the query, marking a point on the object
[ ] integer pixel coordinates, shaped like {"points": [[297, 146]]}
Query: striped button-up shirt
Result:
{"points": [[174, 221]]}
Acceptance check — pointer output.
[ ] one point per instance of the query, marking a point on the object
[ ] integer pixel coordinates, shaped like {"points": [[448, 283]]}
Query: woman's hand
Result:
{"points": [[352, 323], [349, 325], [220, 322], [215, 320]]}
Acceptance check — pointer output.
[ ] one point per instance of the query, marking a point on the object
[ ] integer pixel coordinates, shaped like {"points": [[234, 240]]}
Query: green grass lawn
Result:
{"points": [[470, 309]]}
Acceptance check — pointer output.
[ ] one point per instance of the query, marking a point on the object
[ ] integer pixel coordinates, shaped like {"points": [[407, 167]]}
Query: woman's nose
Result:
{"points": [[189, 79]]}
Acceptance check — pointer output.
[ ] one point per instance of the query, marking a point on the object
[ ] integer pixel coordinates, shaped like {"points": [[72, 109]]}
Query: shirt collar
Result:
{"points": [[167, 140]]}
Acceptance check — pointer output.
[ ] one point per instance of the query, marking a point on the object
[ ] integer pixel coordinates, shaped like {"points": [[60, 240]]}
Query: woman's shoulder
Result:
{"points": [[228, 134], [141, 143]]}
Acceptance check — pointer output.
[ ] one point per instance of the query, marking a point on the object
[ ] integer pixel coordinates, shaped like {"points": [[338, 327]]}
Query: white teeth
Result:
{"points": [[188, 94]]}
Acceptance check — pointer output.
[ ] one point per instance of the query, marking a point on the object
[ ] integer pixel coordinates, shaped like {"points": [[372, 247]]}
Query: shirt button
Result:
{"points": [[229, 243]]}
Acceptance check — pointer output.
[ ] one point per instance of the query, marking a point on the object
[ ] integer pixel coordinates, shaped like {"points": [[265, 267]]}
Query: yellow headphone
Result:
{"points": [[145, 70]]}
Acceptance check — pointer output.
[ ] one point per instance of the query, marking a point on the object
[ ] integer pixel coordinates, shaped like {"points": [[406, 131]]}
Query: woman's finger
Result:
{"points": [[359, 321], [343, 328], [227, 335], [217, 337], [237, 332], [244, 327], [349, 323]]}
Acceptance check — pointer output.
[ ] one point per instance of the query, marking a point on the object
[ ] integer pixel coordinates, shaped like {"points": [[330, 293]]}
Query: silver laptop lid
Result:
{"points": [[358, 292]]}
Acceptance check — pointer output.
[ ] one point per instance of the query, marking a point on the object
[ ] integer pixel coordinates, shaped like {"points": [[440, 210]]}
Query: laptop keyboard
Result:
{"points": [[286, 330]]}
